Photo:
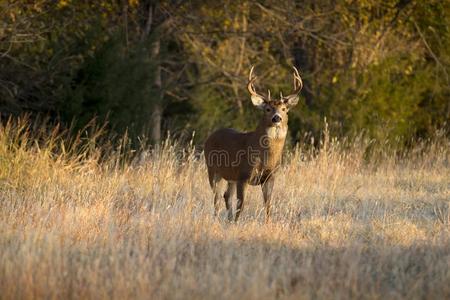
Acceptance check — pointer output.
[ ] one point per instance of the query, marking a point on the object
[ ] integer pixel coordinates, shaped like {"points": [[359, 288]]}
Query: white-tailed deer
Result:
{"points": [[243, 158]]}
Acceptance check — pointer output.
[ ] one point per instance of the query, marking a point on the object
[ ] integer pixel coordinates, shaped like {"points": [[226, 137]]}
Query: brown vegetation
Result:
{"points": [[343, 225]]}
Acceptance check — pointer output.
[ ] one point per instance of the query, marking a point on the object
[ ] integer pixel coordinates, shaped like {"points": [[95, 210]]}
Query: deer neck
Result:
{"points": [[269, 135], [270, 140]]}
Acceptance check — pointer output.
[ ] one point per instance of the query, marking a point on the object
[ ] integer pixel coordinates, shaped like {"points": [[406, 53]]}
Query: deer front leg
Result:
{"points": [[241, 186], [267, 188]]}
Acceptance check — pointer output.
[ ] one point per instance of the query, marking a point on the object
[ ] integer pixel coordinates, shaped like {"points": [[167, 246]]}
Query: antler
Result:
{"points": [[251, 87], [298, 83]]}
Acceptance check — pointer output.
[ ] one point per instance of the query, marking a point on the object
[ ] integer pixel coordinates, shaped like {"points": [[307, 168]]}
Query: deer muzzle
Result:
{"points": [[276, 119]]}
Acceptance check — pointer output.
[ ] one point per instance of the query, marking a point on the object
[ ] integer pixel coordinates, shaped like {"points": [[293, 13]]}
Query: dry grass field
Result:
{"points": [[343, 225]]}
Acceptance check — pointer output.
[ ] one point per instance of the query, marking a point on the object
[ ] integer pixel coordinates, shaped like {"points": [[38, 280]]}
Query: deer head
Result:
{"points": [[276, 110]]}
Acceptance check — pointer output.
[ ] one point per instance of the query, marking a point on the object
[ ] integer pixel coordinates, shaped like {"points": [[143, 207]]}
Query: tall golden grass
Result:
{"points": [[78, 223]]}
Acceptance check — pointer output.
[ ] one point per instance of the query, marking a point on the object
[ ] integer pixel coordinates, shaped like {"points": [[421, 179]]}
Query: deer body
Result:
{"points": [[250, 155], [249, 158]]}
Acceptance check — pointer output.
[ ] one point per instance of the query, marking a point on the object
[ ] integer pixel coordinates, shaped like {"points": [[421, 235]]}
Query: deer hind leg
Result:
{"points": [[214, 181], [228, 196], [240, 187]]}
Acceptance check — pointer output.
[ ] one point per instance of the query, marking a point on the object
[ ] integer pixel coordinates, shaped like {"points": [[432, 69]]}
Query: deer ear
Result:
{"points": [[292, 100], [258, 101]]}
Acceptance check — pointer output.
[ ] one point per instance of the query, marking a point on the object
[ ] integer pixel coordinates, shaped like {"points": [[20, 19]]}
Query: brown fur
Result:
{"points": [[253, 157]]}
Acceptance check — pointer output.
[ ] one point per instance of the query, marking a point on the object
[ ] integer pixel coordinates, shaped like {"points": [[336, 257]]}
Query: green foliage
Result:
{"points": [[116, 84], [378, 66]]}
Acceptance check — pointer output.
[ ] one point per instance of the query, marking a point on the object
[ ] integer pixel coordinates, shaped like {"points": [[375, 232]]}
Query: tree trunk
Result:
{"points": [[157, 106], [156, 123]]}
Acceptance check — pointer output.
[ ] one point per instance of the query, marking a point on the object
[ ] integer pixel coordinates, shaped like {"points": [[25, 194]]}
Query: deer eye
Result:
{"points": [[283, 109], [268, 109]]}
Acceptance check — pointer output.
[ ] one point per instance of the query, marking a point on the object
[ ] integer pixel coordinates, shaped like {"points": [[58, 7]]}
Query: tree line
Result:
{"points": [[153, 67]]}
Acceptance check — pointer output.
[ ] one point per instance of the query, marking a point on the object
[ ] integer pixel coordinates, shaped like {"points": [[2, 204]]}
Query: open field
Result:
{"points": [[342, 226]]}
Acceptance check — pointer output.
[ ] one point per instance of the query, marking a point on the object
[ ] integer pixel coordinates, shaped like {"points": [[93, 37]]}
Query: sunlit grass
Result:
{"points": [[81, 221]]}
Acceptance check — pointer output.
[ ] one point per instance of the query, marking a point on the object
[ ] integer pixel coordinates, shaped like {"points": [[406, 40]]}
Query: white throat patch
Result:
{"points": [[276, 132]]}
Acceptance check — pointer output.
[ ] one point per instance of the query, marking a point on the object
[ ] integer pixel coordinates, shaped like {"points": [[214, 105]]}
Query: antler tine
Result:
{"points": [[298, 79], [251, 87], [250, 75], [298, 84], [268, 95], [251, 80]]}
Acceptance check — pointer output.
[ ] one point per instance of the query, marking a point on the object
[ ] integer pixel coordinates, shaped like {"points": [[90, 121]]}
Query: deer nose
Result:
{"points": [[276, 119]]}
